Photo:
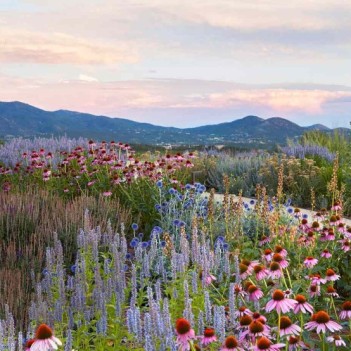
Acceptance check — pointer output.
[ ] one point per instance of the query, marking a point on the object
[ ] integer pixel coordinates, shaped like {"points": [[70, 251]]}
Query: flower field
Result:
{"points": [[103, 249]]}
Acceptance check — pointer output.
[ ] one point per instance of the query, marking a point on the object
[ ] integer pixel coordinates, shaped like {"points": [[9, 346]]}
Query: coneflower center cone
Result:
{"points": [[321, 317], [230, 342], [285, 322], [182, 326], [43, 332], [263, 343], [278, 295]]}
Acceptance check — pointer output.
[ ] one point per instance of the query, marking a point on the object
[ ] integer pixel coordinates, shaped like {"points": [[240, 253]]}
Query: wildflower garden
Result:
{"points": [[102, 248]]}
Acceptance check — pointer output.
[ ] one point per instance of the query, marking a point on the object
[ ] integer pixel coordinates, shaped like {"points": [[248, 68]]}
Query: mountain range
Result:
{"points": [[20, 119]]}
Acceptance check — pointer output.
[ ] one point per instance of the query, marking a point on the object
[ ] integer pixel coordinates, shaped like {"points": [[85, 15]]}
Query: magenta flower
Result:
{"points": [[302, 305], [184, 334], [321, 322], [45, 339], [310, 262], [280, 303], [331, 291], [345, 245], [254, 293], [280, 250], [208, 337], [242, 311], [268, 255], [264, 343], [346, 310], [275, 271], [286, 327], [314, 290], [326, 253], [283, 263], [209, 279], [261, 272], [336, 339], [331, 275], [231, 344]]}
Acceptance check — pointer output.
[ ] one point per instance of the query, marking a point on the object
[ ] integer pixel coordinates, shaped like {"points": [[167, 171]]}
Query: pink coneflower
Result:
{"points": [[184, 334], [281, 260], [314, 290], [28, 344], [189, 164], [45, 339], [345, 245], [321, 322], [330, 235], [304, 225], [239, 291], [331, 291], [275, 271], [249, 264], [295, 343], [264, 343], [256, 328], [348, 232], [107, 193], [336, 207], [208, 337], [268, 255], [280, 250], [258, 316], [264, 240], [341, 228], [315, 278], [323, 236], [302, 305], [254, 293], [287, 327], [261, 272], [244, 271], [346, 310], [331, 275], [333, 220], [231, 344], [336, 340], [209, 279], [280, 303], [315, 226], [242, 311], [319, 216], [310, 262], [245, 321], [326, 253]]}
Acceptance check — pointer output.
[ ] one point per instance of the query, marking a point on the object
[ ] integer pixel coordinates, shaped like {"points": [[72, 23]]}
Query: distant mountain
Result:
{"points": [[19, 119], [320, 127]]}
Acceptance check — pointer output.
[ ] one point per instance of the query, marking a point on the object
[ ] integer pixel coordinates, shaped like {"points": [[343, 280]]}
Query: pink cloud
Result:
{"points": [[25, 46]]}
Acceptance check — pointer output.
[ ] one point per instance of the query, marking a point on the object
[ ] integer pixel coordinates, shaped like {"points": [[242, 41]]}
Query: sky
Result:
{"points": [[180, 63]]}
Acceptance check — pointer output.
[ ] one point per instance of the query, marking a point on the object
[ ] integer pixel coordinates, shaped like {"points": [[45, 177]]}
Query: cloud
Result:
{"points": [[279, 100], [27, 46], [86, 78]]}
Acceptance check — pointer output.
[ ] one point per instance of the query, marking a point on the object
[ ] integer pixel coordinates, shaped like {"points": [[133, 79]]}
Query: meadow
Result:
{"points": [[105, 248]]}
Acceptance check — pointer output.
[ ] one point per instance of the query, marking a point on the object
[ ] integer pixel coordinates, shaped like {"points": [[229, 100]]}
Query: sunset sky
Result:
{"points": [[180, 63]]}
